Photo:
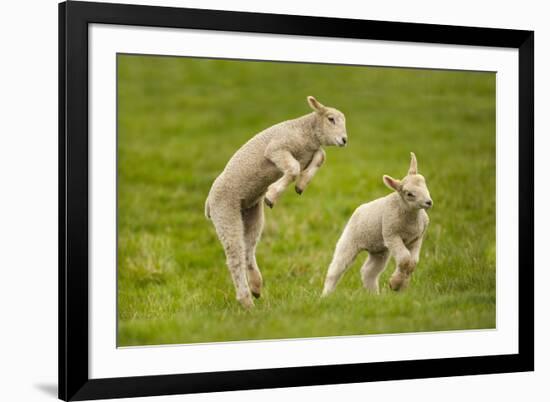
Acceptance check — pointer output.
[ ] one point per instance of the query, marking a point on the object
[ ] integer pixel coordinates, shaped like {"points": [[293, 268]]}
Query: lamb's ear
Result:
{"points": [[413, 168], [392, 183], [315, 104]]}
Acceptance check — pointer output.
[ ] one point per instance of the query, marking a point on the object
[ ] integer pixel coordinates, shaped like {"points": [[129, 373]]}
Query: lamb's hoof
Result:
{"points": [[325, 293], [372, 289], [255, 294], [268, 202], [298, 190], [395, 283], [398, 284], [246, 302]]}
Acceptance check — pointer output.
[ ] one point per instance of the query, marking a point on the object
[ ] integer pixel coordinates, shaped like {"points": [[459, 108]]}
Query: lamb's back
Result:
{"points": [[248, 173]]}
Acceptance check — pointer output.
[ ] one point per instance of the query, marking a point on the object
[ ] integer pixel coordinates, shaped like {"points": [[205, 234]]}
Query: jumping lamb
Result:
{"points": [[392, 225], [260, 171]]}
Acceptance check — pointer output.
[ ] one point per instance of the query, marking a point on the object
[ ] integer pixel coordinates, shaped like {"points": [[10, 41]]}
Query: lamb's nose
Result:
{"points": [[429, 203], [344, 140]]}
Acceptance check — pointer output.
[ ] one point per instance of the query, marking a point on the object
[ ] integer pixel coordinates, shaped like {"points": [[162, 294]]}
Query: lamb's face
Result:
{"points": [[333, 128], [331, 124], [412, 189], [415, 193]]}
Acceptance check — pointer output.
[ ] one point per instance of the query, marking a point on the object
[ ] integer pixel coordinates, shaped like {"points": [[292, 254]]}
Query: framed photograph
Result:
{"points": [[258, 201]]}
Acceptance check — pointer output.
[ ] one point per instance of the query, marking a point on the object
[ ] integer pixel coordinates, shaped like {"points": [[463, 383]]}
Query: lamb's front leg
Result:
{"points": [[405, 262], [402, 276], [371, 270], [312, 168], [290, 168], [415, 250]]}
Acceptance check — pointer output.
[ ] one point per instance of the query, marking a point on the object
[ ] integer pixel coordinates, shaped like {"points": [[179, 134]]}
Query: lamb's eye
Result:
{"points": [[331, 119], [409, 194]]}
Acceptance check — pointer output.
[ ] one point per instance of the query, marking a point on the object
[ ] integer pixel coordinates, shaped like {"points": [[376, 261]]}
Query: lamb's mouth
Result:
{"points": [[341, 142]]}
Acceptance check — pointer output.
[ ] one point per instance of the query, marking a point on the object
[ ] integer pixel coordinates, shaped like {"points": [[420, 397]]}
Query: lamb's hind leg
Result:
{"points": [[253, 219], [371, 270], [230, 229], [344, 255]]}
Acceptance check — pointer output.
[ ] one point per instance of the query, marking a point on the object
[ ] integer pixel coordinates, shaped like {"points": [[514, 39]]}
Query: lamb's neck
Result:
{"points": [[310, 128]]}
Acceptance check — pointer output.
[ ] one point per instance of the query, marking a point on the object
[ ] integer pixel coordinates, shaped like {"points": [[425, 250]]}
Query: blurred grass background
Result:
{"points": [[181, 119]]}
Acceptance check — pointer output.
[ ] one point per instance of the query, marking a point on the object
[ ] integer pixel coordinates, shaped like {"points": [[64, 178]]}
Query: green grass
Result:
{"points": [[179, 122]]}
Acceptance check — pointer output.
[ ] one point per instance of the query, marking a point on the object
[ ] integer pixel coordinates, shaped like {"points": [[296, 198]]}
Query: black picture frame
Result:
{"points": [[74, 18]]}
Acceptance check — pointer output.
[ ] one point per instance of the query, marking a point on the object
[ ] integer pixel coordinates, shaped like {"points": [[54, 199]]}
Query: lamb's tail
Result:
{"points": [[207, 209]]}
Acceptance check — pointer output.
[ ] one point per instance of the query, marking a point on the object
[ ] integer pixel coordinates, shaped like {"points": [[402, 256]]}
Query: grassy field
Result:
{"points": [[179, 122]]}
